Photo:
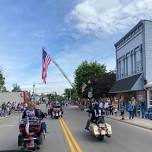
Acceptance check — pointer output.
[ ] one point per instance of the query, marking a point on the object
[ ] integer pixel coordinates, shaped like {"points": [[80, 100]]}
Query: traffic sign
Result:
{"points": [[89, 94]]}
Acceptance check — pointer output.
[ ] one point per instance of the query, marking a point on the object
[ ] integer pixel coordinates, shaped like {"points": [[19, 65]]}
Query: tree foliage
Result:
{"points": [[70, 93], [54, 97], [16, 88], [103, 85], [95, 73], [2, 82]]}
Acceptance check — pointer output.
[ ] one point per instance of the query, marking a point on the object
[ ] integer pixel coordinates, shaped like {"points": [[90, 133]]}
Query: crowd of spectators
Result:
{"points": [[130, 108], [8, 108]]}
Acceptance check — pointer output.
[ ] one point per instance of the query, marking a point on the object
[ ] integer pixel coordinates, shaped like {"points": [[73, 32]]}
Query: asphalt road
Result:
{"points": [[125, 138]]}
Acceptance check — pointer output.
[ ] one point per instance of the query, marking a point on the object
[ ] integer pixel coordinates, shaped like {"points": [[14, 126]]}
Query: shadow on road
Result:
{"points": [[15, 151], [86, 136]]}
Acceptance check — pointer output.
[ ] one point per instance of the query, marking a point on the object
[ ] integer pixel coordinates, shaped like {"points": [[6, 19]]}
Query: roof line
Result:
{"points": [[132, 29]]}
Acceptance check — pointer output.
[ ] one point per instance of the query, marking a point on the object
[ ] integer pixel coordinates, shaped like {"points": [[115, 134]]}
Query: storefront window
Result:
{"points": [[150, 97]]}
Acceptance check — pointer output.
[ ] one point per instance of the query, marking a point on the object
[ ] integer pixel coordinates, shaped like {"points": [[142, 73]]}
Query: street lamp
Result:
{"points": [[33, 92]]}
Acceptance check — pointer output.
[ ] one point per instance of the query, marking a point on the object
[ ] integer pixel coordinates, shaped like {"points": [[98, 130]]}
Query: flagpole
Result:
{"points": [[59, 68]]}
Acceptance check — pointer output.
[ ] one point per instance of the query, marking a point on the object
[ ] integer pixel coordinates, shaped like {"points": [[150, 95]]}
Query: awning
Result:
{"points": [[148, 85], [125, 85]]}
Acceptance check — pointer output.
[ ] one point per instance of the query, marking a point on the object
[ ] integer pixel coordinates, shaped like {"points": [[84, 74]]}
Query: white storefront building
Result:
{"points": [[134, 63]]}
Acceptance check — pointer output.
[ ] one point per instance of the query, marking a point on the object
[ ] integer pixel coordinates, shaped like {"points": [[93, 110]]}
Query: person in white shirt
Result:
{"points": [[106, 107], [101, 105]]}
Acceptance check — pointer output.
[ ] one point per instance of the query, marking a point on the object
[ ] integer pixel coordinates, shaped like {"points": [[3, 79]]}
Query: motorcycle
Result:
{"points": [[56, 113], [100, 129], [31, 135]]}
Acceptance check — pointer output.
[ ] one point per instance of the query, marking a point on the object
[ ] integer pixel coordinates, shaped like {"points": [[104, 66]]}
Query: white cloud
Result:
{"points": [[110, 16], [71, 57]]}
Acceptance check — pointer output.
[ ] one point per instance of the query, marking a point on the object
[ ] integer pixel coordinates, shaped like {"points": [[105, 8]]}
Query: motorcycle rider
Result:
{"points": [[96, 112], [58, 105], [32, 111], [50, 109]]}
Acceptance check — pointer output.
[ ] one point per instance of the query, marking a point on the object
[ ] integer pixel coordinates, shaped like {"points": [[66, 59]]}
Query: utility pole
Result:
{"points": [[33, 92], [70, 95]]}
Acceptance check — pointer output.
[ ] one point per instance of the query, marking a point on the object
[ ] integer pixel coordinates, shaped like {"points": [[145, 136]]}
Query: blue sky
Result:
{"points": [[71, 31]]}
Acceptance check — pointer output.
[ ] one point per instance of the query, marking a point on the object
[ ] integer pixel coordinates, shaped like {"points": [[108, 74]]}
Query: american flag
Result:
{"points": [[46, 59]]}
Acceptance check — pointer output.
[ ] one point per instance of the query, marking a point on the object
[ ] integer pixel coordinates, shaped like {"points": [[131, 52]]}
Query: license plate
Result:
{"points": [[29, 146]]}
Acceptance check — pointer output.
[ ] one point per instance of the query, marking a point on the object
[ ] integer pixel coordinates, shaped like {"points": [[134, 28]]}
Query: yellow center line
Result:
{"points": [[71, 136], [67, 137]]}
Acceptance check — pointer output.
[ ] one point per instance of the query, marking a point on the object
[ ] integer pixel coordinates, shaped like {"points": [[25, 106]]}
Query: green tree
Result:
{"points": [[103, 85], [51, 97], [2, 82], [70, 92], [60, 98], [16, 88], [54, 97], [91, 72], [4, 89]]}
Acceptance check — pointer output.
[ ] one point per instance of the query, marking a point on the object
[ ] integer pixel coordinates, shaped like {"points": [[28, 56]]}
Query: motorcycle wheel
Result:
{"points": [[101, 137], [35, 148], [20, 140], [41, 139]]}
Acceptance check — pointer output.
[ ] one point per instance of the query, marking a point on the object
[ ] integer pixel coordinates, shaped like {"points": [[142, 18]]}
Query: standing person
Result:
{"points": [[111, 108], [134, 106], [4, 109], [115, 105], [122, 109], [1, 111], [10, 108], [143, 107], [101, 105], [7, 109], [130, 110], [106, 107]]}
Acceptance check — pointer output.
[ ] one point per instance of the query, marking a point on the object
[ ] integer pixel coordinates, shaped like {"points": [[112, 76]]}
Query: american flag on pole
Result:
{"points": [[46, 59]]}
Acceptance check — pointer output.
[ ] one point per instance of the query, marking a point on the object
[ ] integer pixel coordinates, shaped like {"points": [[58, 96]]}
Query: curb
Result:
{"points": [[3, 118], [137, 125], [7, 117]]}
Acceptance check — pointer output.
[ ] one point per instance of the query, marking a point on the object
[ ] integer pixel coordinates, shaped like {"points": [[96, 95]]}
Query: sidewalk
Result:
{"points": [[9, 116], [143, 123]]}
